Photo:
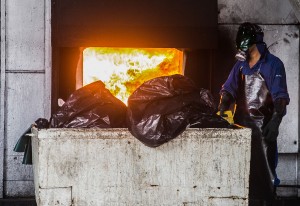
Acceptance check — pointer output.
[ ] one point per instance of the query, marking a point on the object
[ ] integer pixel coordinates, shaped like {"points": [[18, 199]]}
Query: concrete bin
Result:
{"points": [[93, 167]]}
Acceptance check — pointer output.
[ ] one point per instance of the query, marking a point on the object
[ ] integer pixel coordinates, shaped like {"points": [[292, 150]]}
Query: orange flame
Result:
{"points": [[123, 70]]}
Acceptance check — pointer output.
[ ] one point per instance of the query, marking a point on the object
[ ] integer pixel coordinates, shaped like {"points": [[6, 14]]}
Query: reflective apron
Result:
{"points": [[254, 110]]}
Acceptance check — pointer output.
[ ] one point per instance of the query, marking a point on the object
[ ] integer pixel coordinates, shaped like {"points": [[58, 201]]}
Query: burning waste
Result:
{"points": [[123, 70]]}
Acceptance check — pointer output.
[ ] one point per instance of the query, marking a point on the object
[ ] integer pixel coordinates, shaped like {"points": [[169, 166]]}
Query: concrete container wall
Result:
{"points": [[26, 70], [111, 167]]}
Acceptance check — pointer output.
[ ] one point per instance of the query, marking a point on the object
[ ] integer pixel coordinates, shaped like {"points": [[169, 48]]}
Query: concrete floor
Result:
{"points": [[31, 202]]}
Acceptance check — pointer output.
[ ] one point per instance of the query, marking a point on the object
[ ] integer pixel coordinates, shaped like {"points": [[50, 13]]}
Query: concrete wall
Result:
{"points": [[25, 85], [26, 70]]}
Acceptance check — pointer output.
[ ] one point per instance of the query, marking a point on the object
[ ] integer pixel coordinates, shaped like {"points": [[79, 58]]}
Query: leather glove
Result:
{"points": [[225, 102], [224, 107], [271, 130]]}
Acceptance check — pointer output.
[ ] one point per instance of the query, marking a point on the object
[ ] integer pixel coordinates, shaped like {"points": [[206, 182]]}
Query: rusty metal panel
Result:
{"points": [[24, 104], [258, 11], [25, 35]]}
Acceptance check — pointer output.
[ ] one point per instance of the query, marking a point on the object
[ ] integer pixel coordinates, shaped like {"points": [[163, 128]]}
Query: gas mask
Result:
{"points": [[242, 55], [243, 49], [247, 35]]}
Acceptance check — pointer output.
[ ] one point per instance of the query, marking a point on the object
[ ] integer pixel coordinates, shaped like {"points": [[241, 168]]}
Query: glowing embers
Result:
{"points": [[124, 69]]}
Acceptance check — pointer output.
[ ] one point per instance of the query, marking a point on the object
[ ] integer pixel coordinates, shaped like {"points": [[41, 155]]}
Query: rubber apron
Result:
{"points": [[254, 110]]}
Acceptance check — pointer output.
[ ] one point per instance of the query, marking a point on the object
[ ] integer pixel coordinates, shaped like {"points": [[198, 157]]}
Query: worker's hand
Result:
{"points": [[226, 101], [224, 107], [271, 130], [227, 115], [222, 113]]}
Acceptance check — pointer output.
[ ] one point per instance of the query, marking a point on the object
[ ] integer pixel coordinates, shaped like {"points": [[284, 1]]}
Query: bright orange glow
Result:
{"points": [[122, 70]]}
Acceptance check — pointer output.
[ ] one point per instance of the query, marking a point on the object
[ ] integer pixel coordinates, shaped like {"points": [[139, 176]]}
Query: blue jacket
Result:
{"points": [[270, 67]]}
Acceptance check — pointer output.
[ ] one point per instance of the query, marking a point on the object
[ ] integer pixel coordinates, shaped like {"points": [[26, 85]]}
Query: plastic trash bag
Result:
{"points": [[162, 108], [91, 106]]}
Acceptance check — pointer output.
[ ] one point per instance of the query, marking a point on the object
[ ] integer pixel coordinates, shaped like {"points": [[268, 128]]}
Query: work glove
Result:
{"points": [[271, 130], [224, 107]]}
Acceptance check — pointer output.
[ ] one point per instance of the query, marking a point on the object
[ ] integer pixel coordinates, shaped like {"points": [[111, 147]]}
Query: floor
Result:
{"points": [[31, 202], [18, 202]]}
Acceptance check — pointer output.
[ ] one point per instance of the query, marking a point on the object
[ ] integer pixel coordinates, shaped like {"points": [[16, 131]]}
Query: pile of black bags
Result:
{"points": [[162, 108], [158, 111]]}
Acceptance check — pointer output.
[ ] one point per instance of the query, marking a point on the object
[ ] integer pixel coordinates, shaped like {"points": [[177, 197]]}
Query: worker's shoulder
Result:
{"points": [[273, 60]]}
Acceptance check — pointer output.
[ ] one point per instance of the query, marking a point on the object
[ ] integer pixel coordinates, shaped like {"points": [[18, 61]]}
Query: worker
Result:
{"points": [[256, 91]]}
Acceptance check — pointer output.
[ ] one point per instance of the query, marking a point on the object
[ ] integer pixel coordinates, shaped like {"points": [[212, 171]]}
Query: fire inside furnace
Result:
{"points": [[123, 70]]}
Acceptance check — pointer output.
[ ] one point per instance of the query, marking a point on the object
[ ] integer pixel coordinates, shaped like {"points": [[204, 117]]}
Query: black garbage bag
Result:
{"points": [[24, 142], [91, 106], [162, 108]]}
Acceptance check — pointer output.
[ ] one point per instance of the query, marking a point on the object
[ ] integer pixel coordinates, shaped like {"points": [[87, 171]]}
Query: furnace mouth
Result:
{"points": [[190, 29], [123, 70]]}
